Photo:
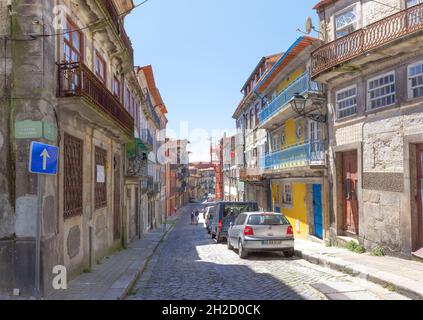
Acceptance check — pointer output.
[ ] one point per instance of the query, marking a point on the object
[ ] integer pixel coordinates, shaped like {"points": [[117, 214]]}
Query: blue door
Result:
{"points": [[318, 216]]}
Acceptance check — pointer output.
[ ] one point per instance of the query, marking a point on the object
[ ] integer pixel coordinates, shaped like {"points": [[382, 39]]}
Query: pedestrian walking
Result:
{"points": [[192, 217], [197, 213]]}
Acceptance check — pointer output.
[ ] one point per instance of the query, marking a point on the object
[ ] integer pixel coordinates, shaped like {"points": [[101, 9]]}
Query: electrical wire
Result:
{"points": [[92, 24], [35, 37]]}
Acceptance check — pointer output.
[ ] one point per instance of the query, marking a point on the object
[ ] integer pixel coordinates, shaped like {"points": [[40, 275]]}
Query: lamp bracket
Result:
{"points": [[318, 117]]}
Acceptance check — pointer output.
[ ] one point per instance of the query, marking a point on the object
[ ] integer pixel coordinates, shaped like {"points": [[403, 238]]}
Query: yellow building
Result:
{"points": [[295, 161]]}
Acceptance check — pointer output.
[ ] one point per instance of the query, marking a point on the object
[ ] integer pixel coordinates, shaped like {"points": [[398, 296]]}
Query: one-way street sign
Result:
{"points": [[43, 158]]}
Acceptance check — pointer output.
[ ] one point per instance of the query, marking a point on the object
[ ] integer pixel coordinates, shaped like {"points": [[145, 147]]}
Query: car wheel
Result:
{"points": [[289, 253], [230, 247], [241, 252]]}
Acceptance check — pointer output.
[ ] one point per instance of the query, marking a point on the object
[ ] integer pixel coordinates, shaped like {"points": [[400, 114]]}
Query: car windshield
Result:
{"points": [[237, 208], [267, 220]]}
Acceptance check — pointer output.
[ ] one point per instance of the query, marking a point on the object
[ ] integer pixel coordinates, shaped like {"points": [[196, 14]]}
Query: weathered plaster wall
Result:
{"points": [[6, 175], [28, 93], [76, 230]]}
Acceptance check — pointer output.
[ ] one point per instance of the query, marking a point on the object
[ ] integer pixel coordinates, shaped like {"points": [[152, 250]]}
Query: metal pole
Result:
{"points": [[38, 239]]}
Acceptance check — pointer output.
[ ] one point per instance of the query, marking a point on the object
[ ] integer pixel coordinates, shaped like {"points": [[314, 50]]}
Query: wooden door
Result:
{"points": [[116, 199], [350, 198], [419, 196], [137, 213]]}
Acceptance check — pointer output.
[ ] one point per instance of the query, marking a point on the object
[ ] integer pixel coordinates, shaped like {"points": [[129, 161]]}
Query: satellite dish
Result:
{"points": [[309, 25]]}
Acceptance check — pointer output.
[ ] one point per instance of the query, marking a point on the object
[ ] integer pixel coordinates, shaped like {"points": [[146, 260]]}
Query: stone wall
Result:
{"points": [[383, 136]]}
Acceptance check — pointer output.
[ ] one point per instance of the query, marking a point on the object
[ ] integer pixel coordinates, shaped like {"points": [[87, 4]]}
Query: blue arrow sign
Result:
{"points": [[43, 158]]}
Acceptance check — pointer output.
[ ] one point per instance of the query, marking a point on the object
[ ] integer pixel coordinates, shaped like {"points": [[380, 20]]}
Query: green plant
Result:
{"points": [[352, 245], [355, 247], [86, 270], [132, 292], [360, 249], [328, 243], [390, 287], [378, 251]]}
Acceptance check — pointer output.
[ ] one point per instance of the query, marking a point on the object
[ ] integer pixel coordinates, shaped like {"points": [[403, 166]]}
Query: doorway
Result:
{"points": [[349, 194], [318, 213], [419, 196], [116, 199]]}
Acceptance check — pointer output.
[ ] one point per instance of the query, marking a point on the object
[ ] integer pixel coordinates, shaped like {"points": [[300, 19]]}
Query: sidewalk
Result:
{"points": [[405, 276], [115, 277]]}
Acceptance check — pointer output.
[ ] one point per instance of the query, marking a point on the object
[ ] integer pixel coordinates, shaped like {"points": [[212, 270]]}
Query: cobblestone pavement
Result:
{"points": [[188, 265]]}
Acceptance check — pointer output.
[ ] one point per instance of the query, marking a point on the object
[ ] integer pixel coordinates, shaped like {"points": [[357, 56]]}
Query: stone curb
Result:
{"points": [[402, 285], [134, 277]]}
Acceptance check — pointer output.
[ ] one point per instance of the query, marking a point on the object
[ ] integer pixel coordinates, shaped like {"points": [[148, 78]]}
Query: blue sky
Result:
{"points": [[202, 52]]}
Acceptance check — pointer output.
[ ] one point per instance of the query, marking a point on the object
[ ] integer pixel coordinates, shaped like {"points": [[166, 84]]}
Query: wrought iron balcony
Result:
{"points": [[373, 36], [307, 154], [301, 85], [147, 137], [154, 114], [77, 80]]}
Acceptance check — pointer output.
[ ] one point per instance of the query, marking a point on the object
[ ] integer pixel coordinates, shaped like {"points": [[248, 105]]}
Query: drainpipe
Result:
{"points": [[329, 191]]}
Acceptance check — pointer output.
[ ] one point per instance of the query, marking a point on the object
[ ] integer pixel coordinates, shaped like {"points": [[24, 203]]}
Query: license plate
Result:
{"points": [[271, 242]]}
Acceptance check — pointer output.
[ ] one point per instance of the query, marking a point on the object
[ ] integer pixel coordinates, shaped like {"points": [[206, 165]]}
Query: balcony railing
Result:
{"points": [[301, 85], [307, 154], [147, 137], [114, 18], [154, 114], [76, 79], [380, 33]]}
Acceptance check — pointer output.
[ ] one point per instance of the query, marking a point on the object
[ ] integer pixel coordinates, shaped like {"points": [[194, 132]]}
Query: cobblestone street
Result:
{"points": [[188, 265]]}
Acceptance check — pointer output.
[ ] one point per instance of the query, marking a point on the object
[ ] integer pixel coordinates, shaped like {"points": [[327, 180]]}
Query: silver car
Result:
{"points": [[261, 231]]}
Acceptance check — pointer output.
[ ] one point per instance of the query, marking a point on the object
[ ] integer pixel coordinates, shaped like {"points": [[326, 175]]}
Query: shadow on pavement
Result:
{"points": [[180, 273]]}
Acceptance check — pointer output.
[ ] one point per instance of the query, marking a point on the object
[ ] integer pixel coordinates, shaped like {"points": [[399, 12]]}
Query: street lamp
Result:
{"points": [[298, 103]]}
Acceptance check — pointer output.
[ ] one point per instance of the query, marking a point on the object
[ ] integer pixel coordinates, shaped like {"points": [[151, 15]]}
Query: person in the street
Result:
{"points": [[192, 216], [197, 213]]}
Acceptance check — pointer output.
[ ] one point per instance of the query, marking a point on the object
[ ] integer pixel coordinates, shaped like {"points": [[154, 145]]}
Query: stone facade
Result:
{"points": [[30, 91], [384, 137]]}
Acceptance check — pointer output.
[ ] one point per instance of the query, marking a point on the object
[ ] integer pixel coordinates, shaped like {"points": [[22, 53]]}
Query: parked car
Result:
{"points": [[210, 211], [227, 212], [258, 232]]}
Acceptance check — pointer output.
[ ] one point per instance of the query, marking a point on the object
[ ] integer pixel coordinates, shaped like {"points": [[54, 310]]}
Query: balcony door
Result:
{"points": [[72, 54], [315, 139]]}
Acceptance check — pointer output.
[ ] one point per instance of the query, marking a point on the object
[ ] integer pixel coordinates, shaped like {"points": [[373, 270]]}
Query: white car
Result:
{"points": [[261, 231]]}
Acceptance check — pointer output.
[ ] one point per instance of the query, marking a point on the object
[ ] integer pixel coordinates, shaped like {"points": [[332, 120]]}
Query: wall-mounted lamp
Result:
{"points": [[298, 105]]}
